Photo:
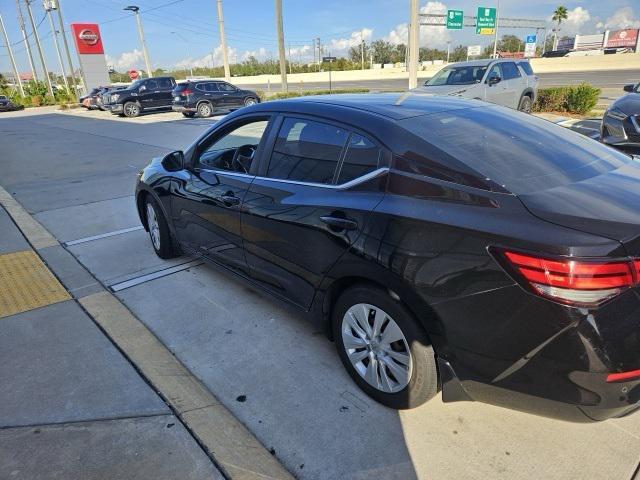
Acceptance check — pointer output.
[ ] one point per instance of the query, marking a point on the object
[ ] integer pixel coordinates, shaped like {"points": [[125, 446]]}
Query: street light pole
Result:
{"points": [[39, 46], [48, 6], [25, 39], [13, 60], [495, 39], [136, 10], [413, 45], [283, 60], [66, 48], [223, 42]]}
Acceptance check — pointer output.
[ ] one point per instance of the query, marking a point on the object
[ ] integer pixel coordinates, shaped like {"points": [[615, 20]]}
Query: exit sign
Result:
{"points": [[455, 19], [486, 21]]}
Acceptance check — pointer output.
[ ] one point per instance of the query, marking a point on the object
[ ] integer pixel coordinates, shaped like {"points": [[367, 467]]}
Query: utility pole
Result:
{"points": [[25, 39], [290, 64], [283, 60], [66, 48], [495, 39], [413, 45], [136, 11], [362, 48], [39, 46], [13, 60], [223, 42], [448, 49], [48, 6], [319, 53]]}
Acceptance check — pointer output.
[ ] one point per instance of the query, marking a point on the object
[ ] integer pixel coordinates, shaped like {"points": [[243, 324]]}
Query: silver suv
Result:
{"points": [[506, 81]]}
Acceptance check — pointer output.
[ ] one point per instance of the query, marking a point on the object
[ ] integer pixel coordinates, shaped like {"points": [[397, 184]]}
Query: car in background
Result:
{"points": [[507, 82], [143, 95], [206, 97], [442, 243], [620, 125], [7, 105], [103, 95], [89, 100]]}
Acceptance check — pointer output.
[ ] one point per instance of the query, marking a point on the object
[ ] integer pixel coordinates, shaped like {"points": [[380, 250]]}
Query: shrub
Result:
{"points": [[574, 99], [36, 101], [306, 93]]}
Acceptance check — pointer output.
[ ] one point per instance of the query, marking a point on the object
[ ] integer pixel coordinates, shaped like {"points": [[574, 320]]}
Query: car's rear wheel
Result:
{"points": [[205, 110], [384, 349], [131, 109], [525, 104], [250, 101], [188, 114], [159, 230]]}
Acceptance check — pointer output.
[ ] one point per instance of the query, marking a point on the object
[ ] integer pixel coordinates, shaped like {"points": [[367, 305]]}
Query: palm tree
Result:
{"points": [[559, 14]]}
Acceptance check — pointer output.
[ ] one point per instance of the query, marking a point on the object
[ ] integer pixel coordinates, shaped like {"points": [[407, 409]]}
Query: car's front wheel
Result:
{"points": [[159, 230], [384, 349], [131, 109], [250, 101]]}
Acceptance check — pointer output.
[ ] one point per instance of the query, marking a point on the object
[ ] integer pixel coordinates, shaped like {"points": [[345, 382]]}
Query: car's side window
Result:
{"points": [[225, 87], [211, 87], [526, 67], [362, 157], [307, 151], [510, 71], [201, 86], [495, 71], [234, 150], [165, 83]]}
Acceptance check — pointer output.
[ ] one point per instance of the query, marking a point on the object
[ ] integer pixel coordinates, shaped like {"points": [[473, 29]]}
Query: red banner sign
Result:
{"points": [[88, 39], [622, 38]]}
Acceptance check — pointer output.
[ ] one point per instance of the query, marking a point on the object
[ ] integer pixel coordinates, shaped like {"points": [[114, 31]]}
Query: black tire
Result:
{"points": [[131, 109], [166, 248], [188, 114], [423, 384], [250, 101], [525, 104], [205, 110]]}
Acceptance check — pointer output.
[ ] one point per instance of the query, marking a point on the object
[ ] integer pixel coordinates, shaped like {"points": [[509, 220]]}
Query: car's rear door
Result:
{"points": [[165, 87], [309, 203]]}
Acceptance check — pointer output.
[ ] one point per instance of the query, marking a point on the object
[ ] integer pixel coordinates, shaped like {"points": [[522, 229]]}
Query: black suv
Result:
{"points": [[205, 97], [145, 94]]}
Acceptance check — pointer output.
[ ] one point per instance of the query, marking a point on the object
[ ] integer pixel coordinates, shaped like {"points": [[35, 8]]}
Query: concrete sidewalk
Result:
{"points": [[71, 405]]}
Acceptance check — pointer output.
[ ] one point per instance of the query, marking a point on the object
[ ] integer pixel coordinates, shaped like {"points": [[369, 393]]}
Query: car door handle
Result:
{"points": [[338, 223], [230, 200], [225, 94]]}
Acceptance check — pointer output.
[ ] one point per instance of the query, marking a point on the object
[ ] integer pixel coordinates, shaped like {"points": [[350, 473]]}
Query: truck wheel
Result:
{"points": [[131, 109], [205, 110]]}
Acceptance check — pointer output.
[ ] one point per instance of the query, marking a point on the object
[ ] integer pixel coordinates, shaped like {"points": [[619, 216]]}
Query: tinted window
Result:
{"points": [[151, 85], [526, 67], [165, 83], [211, 87], [495, 71], [362, 157], [457, 76], [181, 87], [307, 151], [201, 86], [225, 87], [510, 71], [521, 152], [219, 153]]}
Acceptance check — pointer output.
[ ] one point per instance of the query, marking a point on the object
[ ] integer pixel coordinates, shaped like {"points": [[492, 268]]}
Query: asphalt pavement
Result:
{"points": [[74, 172]]}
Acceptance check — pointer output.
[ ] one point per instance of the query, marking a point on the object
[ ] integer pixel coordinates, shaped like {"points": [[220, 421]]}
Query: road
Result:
{"points": [[75, 173]]}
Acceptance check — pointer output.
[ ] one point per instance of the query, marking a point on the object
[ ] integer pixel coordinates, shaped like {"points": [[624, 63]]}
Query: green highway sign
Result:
{"points": [[454, 19], [486, 21]]}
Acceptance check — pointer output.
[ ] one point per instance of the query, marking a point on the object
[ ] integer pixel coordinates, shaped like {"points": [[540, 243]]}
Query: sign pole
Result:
{"points": [[495, 38]]}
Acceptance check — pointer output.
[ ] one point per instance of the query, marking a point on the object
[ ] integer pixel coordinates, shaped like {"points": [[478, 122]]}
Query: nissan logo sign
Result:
{"points": [[88, 36]]}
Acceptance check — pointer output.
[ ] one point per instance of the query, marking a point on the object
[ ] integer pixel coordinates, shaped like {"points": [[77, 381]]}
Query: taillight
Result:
{"points": [[186, 92], [574, 281]]}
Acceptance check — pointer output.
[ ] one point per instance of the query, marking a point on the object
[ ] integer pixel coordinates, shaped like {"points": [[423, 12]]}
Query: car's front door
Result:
{"points": [[207, 197], [495, 92], [308, 204], [147, 95], [231, 96]]}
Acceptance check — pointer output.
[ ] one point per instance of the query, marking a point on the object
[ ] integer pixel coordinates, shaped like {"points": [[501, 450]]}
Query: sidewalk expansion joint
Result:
{"points": [[79, 422]]}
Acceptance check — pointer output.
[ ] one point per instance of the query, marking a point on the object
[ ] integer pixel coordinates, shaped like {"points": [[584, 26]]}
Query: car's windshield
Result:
{"points": [[520, 152], [136, 83], [457, 76]]}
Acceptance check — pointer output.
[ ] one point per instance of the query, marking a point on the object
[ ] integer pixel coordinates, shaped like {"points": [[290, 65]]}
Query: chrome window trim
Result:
{"points": [[351, 183], [634, 121]]}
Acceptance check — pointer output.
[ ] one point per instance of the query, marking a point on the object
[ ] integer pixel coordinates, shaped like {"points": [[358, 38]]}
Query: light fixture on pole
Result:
{"points": [[136, 11]]}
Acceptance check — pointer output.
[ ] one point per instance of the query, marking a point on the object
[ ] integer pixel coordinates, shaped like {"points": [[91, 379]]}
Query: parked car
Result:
{"points": [[7, 105], [621, 122], [89, 100], [507, 82], [205, 97], [555, 53], [443, 243], [143, 95], [103, 95]]}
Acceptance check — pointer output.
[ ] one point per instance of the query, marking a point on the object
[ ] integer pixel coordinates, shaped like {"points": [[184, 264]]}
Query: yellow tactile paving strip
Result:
{"points": [[26, 283]]}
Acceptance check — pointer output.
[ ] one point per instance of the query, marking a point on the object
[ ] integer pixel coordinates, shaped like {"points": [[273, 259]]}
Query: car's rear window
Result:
{"points": [[181, 87], [520, 152], [526, 66]]}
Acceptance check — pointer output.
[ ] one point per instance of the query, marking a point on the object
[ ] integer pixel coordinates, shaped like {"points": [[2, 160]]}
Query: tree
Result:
{"points": [[559, 15], [383, 52], [355, 53], [508, 43]]}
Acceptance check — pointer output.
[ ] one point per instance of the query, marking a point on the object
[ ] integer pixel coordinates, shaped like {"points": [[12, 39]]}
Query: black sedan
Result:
{"points": [[621, 122], [443, 244]]}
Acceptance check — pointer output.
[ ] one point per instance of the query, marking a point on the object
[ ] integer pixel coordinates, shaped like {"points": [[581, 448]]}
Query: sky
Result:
{"points": [[183, 33]]}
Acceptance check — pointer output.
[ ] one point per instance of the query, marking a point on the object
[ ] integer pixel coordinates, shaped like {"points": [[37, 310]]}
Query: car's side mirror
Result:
{"points": [[174, 161], [494, 79], [629, 88], [142, 88]]}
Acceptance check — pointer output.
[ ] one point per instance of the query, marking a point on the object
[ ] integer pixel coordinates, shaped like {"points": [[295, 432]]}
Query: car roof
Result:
{"points": [[392, 105], [485, 62]]}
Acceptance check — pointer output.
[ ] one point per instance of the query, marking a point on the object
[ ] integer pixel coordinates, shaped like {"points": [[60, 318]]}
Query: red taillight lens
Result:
{"points": [[186, 93], [575, 282], [624, 376]]}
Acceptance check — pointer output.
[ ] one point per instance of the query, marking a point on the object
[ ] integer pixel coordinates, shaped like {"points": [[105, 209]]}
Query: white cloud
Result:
{"points": [[127, 60], [206, 60], [623, 18], [576, 19], [340, 46], [431, 37]]}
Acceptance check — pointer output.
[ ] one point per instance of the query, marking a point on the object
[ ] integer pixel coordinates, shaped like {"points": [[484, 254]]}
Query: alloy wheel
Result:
{"points": [[204, 110], [154, 227], [377, 348], [249, 101], [131, 110]]}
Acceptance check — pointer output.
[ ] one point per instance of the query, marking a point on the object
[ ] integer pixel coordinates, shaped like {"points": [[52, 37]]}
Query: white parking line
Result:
{"points": [[152, 276], [102, 235]]}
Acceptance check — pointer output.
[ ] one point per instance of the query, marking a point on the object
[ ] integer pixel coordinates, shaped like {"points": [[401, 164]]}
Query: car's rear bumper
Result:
{"points": [[183, 108]]}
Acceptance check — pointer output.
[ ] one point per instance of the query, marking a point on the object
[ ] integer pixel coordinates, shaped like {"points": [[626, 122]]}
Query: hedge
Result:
{"points": [[306, 93], [574, 99]]}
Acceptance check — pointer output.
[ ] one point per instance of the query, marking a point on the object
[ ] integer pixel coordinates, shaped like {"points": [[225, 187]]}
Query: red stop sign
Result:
{"points": [[133, 74]]}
